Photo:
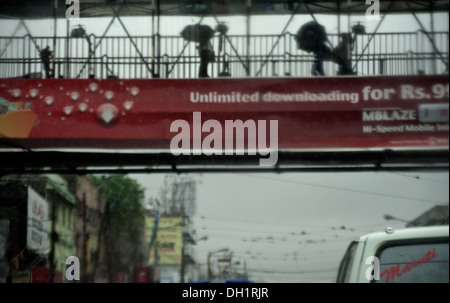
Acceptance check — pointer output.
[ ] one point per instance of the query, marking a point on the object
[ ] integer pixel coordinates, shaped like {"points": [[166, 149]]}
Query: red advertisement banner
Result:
{"points": [[311, 113]]}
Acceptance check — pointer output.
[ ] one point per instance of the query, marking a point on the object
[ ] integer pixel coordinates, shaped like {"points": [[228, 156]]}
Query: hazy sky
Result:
{"points": [[288, 227]]}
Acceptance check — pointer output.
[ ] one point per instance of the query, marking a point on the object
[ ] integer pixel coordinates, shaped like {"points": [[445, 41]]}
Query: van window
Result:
{"points": [[418, 263], [346, 264]]}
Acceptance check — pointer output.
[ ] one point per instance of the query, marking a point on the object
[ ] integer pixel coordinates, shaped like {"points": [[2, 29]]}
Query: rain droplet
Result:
{"points": [[16, 92], [128, 105], [63, 118], [49, 114], [61, 88], [109, 95], [82, 107], [39, 84], [48, 100], [74, 96], [68, 110], [93, 87], [107, 112], [33, 92], [134, 91]]}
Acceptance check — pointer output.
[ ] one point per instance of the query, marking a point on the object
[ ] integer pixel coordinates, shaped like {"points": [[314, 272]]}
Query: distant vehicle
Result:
{"points": [[411, 255]]}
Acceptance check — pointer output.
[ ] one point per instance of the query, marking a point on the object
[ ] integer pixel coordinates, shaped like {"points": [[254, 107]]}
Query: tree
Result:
{"points": [[123, 222]]}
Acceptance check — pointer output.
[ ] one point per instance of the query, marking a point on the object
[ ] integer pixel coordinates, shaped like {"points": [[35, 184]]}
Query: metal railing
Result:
{"points": [[236, 56]]}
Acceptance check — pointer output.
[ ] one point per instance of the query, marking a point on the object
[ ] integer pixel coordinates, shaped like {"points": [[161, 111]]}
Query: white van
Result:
{"points": [[411, 255]]}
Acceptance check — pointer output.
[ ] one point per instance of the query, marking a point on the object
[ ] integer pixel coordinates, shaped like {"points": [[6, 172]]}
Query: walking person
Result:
{"points": [[207, 55]]}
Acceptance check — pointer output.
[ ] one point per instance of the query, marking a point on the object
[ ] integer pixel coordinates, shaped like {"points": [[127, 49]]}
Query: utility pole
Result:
{"points": [[53, 239], [182, 262], [85, 240]]}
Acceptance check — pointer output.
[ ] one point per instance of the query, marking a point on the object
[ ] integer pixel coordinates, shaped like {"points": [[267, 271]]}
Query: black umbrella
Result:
{"points": [[311, 36], [197, 33]]}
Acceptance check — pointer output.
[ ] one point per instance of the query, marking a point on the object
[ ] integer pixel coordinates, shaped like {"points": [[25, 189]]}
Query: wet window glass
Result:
{"points": [[422, 263], [176, 141]]}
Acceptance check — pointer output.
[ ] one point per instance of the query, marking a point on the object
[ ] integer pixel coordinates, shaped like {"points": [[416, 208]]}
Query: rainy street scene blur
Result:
{"points": [[224, 141]]}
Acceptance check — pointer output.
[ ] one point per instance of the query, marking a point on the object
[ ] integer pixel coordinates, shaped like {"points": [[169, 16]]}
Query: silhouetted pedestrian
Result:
{"points": [[207, 55], [342, 54], [46, 56]]}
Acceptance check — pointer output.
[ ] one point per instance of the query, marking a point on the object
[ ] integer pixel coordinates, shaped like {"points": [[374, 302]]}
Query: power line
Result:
{"points": [[304, 232], [266, 223], [421, 178], [346, 189]]}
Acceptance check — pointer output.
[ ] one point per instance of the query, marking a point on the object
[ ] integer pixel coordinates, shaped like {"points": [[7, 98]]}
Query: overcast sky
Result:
{"points": [[291, 227]]}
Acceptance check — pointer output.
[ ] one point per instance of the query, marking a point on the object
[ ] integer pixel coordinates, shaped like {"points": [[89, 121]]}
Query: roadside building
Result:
{"points": [[89, 237], [40, 211]]}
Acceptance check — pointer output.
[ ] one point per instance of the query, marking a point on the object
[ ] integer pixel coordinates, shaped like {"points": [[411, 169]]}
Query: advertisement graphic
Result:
{"points": [[38, 219], [311, 113], [169, 240]]}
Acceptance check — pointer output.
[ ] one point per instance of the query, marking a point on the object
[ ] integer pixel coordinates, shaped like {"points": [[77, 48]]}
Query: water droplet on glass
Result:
{"points": [[93, 87], [68, 110], [33, 92], [107, 113], [109, 95], [128, 105], [82, 107], [74, 96], [134, 91], [16, 92], [48, 100]]}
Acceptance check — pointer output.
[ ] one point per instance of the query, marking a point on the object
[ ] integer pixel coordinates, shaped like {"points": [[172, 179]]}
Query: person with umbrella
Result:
{"points": [[207, 55], [312, 38], [202, 35], [46, 56]]}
